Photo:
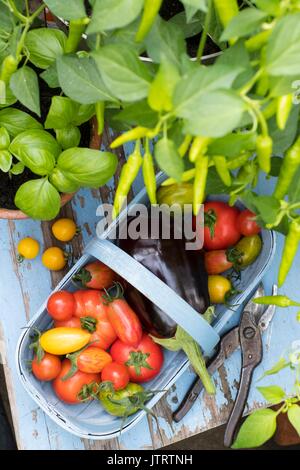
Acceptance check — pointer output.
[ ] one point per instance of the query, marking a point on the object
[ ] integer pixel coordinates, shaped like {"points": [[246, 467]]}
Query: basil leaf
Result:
{"points": [[168, 158], [123, 72], [111, 14], [258, 428], [283, 48], [162, 87], [16, 121], [294, 417], [24, 85], [232, 144], [80, 80], [50, 76], [68, 137], [4, 139], [5, 160], [272, 393], [37, 149], [70, 10], [87, 167], [38, 199], [138, 114], [44, 46], [83, 114], [223, 112], [62, 183], [17, 168], [61, 112], [165, 38], [244, 23]]}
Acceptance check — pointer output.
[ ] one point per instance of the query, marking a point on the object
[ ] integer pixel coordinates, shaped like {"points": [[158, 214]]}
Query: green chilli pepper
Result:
{"points": [[183, 148], [239, 161], [278, 300], [76, 30], [200, 183], [263, 85], [284, 106], [270, 109], [264, 147], [151, 9], [149, 174], [133, 134], [9, 66], [185, 177], [256, 42], [290, 248], [226, 10], [128, 174], [290, 164], [198, 147], [99, 111], [222, 169]]}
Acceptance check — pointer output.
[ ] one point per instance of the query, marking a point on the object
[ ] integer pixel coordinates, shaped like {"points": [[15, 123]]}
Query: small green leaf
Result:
{"points": [[70, 10], [50, 76], [257, 429], [62, 183], [197, 4], [294, 417], [112, 14], [267, 207], [244, 23], [272, 7], [5, 160], [168, 158], [4, 139], [17, 168], [25, 87], [83, 114], [162, 87], [232, 145], [44, 46], [16, 121], [38, 199], [68, 137], [272, 393], [282, 140], [138, 114], [61, 113], [281, 364]]}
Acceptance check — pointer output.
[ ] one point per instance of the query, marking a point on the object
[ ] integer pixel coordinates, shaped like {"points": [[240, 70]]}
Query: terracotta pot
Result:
{"points": [[285, 435], [95, 142]]}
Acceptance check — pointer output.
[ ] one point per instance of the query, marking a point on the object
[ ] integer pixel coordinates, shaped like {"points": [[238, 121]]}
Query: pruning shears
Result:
{"points": [[247, 335]]}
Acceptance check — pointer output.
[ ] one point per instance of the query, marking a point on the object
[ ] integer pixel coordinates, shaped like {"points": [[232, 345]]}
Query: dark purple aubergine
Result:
{"points": [[182, 270]]}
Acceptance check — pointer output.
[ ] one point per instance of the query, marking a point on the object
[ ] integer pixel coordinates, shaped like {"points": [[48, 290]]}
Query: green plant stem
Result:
{"points": [[28, 24], [15, 11], [27, 8], [247, 87], [204, 31]]}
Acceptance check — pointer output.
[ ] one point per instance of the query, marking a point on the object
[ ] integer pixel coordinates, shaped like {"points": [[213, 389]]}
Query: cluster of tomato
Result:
{"points": [[96, 339], [53, 258], [231, 240]]}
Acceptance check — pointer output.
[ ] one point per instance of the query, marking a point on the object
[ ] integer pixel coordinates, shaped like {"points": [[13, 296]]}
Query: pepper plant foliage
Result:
{"points": [[221, 125]]}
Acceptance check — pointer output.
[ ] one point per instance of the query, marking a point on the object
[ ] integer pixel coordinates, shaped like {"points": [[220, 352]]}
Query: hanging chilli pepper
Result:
{"points": [[290, 164], [185, 177], [183, 148], [222, 169], [200, 182], [263, 85], [264, 147], [226, 10], [9, 66], [270, 109], [151, 9], [198, 147], [134, 134], [76, 30], [290, 248], [128, 174], [278, 300], [284, 106], [99, 111], [149, 174], [239, 161], [256, 42]]}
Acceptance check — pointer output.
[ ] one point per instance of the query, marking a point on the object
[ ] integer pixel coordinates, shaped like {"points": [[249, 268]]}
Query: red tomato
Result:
{"points": [[96, 275], [69, 390], [216, 261], [73, 322], [125, 322], [117, 374], [92, 360], [61, 305], [144, 362], [220, 219], [90, 303], [47, 369], [246, 223]]}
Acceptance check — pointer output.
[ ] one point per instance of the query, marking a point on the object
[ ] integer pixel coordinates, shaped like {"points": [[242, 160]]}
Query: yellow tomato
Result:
{"points": [[28, 248], [54, 258], [64, 340], [64, 229], [219, 288]]}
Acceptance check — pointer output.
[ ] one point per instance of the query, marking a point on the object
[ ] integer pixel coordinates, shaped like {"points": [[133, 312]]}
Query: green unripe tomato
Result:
{"points": [[175, 194], [123, 402], [250, 248]]}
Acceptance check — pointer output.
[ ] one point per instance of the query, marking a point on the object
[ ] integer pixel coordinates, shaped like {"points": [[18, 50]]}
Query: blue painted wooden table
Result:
{"points": [[24, 286]]}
